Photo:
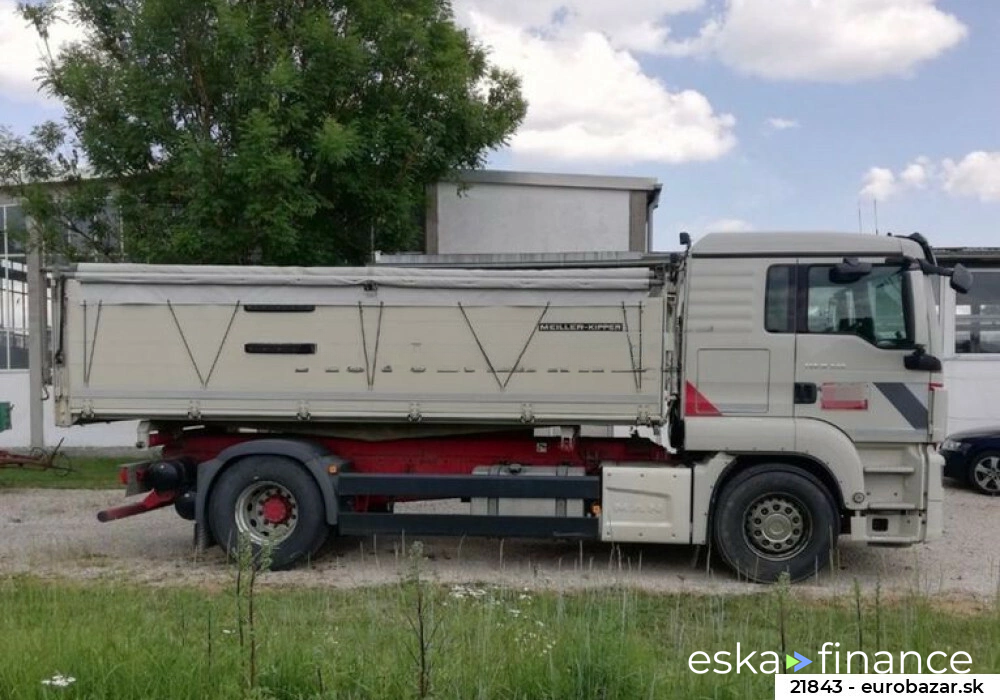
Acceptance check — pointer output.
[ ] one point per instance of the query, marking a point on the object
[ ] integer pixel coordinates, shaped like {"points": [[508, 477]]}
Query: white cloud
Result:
{"points": [[729, 226], [825, 40], [976, 175], [782, 124], [637, 25], [22, 51], [879, 183], [918, 173], [591, 101]]}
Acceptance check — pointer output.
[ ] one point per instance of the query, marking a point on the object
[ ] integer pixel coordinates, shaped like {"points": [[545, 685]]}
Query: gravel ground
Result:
{"points": [[55, 533]]}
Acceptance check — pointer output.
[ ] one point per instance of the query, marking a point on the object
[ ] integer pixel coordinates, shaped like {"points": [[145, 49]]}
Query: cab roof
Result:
{"points": [[802, 244]]}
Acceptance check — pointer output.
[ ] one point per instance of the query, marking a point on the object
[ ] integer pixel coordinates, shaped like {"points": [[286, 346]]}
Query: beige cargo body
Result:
{"points": [[359, 344]]}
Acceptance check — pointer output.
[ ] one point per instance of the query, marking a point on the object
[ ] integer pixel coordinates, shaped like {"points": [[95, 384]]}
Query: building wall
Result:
{"points": [[14, 387], [497, 212], [490, 218], [973, 391]]}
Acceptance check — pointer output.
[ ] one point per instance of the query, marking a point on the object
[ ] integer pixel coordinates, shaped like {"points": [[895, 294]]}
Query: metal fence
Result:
{"points": [[13, 291], [13, 279]]}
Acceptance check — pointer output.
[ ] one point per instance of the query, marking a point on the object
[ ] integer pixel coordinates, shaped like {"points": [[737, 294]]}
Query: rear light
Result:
{"points": [[157, 439], [133, 475], [934, 386]]}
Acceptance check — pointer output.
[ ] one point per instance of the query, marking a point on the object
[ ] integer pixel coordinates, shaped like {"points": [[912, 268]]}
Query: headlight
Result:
{"points": [[954, 446]]}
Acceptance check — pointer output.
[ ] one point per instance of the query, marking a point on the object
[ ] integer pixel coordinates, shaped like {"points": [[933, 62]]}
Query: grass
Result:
{"points": [[121, 641], [85, 473]]}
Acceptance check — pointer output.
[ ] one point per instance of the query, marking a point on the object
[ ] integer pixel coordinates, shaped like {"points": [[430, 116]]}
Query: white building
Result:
{"points": [[14, 382], [972, 340], [492, 211]]}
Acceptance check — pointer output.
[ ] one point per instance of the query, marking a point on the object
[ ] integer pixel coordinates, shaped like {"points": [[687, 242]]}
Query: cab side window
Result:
{"points": [[779, 299], [874, 308]]}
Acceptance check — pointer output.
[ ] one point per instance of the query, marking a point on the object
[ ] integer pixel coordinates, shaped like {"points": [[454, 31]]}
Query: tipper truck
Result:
{"points": [[763, 394]]}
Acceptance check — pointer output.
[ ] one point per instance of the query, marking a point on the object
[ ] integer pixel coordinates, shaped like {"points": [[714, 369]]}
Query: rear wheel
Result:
{"points": [[775, 518], [274, 504], [984, 473]]}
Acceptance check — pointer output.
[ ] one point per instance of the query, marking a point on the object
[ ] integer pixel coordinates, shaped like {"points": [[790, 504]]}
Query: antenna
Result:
{"points": [[860, 226], [875, 208]]}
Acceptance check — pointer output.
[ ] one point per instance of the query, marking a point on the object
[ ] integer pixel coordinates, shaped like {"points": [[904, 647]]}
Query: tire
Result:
{"points": [[273, 501], [798, 523], [984, 473]]}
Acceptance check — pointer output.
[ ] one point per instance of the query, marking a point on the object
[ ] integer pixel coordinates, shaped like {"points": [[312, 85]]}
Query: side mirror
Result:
{"points": [[685, 239], [851, 270], [961, 279]]}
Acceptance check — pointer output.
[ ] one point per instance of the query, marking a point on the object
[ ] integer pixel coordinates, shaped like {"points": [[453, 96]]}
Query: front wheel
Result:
{"points": [[771, 519], [984, 473], [272, 503]]}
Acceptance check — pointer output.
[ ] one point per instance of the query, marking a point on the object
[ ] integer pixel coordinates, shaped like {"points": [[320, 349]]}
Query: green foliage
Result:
{"points": [[251, 560], [120, 640], [73, 211], [423, 620], [265, 131], [83, 473]]}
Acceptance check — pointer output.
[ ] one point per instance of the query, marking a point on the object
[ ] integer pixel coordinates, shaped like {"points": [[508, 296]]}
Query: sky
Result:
{"points": [[754, 114]]}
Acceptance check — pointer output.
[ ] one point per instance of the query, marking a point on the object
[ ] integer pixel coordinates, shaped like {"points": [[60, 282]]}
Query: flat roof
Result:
{"points": [[969, 255], [593, 182], [528, 260]]}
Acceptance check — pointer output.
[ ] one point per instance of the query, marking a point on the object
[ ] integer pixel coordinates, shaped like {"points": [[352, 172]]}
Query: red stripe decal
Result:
{"points": [[843, 397], [834, 405], [695, 403]]}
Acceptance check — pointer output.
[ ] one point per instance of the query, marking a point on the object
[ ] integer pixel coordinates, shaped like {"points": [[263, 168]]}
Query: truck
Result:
{"points": [[760, 393]]}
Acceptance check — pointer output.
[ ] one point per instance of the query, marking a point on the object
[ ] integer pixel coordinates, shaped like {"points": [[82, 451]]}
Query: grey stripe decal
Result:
{"points": [[906, 402], [888, 435]]}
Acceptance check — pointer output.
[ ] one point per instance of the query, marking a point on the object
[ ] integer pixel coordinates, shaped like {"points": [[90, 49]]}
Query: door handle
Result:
{"points": [[805, 393]]}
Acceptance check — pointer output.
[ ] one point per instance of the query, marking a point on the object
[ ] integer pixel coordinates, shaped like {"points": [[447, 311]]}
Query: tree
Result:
{"points": [[74, 213], [266, 131]]}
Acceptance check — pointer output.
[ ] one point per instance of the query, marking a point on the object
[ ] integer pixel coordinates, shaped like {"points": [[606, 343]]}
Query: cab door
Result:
{"points": [[851, 345]]}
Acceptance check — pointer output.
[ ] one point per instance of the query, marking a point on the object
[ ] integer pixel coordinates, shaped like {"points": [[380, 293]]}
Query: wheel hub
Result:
{"points": [[276, 509], [987, 474], [266, 512], [777, 526]]}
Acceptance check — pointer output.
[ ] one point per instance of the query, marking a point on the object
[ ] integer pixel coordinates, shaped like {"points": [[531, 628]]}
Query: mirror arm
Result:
{"points": [[933, 269], [925, 246]]}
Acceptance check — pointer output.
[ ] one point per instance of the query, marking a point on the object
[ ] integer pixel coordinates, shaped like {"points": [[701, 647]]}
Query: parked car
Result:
{"points": [[973, 456]]}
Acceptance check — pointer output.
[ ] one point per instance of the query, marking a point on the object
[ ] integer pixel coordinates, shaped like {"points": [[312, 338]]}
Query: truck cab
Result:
{"points": [[814, 354]]}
